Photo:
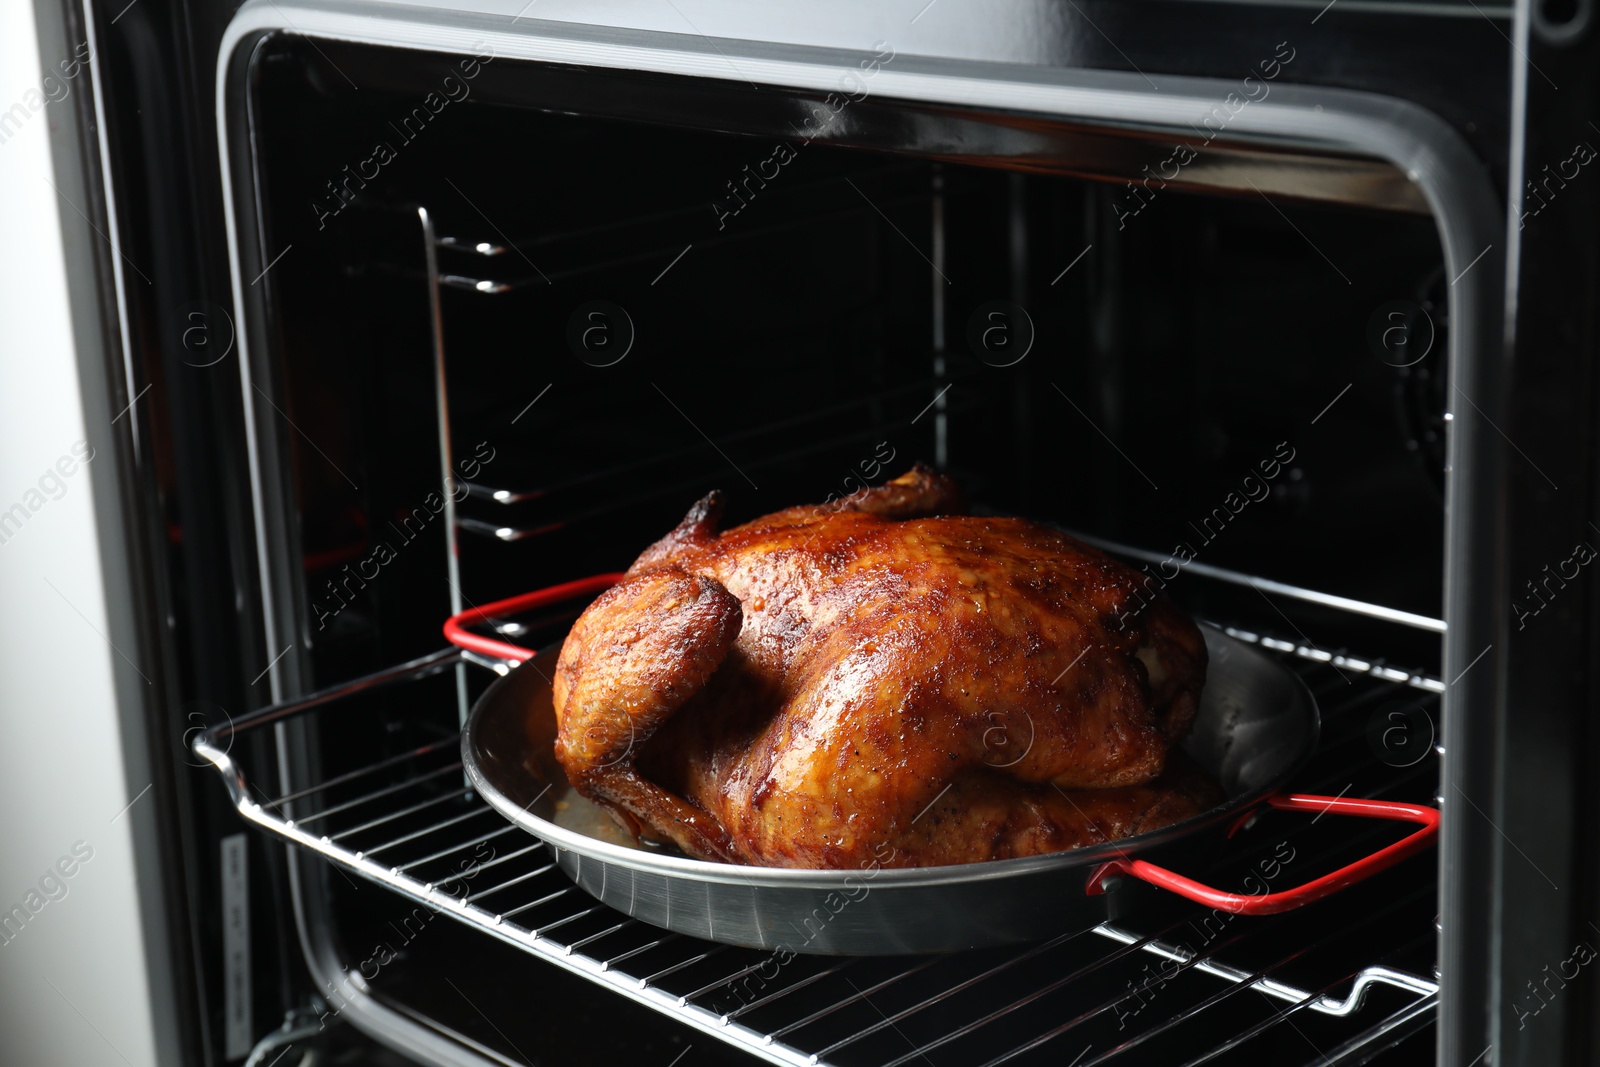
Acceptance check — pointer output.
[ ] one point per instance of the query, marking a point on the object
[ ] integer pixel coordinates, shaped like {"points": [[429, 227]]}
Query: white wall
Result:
{"points": [[73, 982]]}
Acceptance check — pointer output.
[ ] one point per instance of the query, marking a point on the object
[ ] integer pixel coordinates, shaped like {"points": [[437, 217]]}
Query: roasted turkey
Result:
{"points": [[881, 678]]}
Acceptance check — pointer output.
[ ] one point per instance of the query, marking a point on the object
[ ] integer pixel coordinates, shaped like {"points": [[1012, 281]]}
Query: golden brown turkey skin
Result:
{"points": [[813, 686]]}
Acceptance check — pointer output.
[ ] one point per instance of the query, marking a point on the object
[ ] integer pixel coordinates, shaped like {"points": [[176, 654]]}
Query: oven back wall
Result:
{"points": [[1204, 376]]}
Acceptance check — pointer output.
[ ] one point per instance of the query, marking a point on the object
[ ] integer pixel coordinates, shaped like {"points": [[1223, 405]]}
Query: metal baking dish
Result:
{"points": [[1257, 723]]}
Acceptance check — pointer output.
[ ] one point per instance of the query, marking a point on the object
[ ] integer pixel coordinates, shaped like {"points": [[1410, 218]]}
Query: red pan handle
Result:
{"points": [[1288, 899], [455, 627]]}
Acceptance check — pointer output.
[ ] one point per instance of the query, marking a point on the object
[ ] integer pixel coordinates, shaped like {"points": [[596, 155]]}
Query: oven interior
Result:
{"points": [[631, 312]]}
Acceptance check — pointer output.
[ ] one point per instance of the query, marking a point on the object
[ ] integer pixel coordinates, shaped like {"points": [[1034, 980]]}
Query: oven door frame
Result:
{"points": [[1343, 124]]}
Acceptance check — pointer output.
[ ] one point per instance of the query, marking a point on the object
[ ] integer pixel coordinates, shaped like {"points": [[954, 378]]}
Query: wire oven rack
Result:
{"points": [[1165, 983]]}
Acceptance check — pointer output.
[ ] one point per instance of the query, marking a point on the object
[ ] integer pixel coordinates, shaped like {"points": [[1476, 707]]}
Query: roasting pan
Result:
{"points": [[1257, 724]]}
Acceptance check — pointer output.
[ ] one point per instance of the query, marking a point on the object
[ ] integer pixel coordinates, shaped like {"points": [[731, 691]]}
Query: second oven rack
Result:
{"points": [[407, 822]]}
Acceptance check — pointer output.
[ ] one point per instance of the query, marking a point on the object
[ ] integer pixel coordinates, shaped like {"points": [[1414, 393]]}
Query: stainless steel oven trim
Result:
{"points": [[1466, 210]]}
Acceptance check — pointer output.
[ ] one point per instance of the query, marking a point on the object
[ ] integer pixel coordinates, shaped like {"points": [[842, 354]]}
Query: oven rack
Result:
{"points": [[406, 822]]}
